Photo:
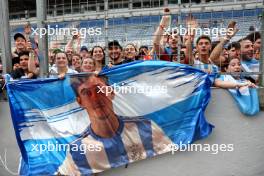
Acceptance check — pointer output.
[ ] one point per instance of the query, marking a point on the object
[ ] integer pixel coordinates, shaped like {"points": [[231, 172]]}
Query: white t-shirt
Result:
{"points": [[53, 71]]}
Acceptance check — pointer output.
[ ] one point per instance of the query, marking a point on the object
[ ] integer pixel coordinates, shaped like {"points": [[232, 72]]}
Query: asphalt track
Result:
{"points": [[231, 127]]}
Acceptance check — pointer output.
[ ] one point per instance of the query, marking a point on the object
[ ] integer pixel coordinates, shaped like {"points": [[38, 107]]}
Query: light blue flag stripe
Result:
{"points": [[182, 120]]}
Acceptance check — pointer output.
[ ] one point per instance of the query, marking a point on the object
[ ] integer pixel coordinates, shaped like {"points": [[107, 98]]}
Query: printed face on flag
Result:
{"points": [[94, 95], [136, 113]]}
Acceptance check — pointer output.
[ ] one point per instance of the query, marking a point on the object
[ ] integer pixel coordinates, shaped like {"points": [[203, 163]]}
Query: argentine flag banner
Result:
{"points": [[246, 98], [87, 123]]}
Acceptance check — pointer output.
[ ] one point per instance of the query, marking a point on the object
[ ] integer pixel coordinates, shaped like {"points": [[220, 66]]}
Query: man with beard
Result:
{"points": [[249, 64], [115, 53], [116, 140], [255, 38]]}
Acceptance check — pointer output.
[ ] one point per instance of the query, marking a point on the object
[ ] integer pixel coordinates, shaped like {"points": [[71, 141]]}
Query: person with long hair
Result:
{"points": [[98, 55]]}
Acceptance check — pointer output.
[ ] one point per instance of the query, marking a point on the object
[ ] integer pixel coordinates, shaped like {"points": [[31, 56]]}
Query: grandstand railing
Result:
{"points": [[69, 14]]}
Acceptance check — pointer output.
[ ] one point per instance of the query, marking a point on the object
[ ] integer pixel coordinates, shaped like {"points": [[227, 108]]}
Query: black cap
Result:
{"points": [[114, 43], [143, 46], [17, 35], [84, 48]]}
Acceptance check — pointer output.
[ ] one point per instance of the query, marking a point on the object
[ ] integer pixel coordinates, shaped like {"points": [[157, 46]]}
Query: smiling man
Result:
{"points": [[20, 46], [121, 140], [249, 64], [115, 52], [203, 47]]}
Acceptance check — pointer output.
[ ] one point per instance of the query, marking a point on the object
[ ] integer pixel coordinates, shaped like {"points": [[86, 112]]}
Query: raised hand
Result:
{"points": [[29, 46], [231, 29], [191, 23], [166, 18]]}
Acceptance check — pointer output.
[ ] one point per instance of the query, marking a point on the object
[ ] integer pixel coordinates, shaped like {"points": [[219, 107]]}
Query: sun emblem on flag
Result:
{"points": [[135, 152]]}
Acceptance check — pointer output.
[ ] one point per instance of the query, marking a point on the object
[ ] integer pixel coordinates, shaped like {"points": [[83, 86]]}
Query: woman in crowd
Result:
{"points": [[233, 81], [88, 65], [61, 66], [130, 53], [99, 58], [76, 62]]}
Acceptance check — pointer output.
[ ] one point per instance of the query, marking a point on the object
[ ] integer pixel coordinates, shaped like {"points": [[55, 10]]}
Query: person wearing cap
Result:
{"points": [[20, 43], [24, 46], [84, 53], [115, 53], [20, 46]]}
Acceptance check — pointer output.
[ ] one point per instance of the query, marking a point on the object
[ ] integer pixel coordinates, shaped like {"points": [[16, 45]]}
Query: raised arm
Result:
{"points": [[164, 23], [70, 44], [192, 25], [188, 42], [216, 53], [33, 60]]}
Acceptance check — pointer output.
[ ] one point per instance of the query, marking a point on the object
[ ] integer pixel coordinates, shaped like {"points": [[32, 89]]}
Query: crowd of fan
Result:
{"points": [[235, 57]]}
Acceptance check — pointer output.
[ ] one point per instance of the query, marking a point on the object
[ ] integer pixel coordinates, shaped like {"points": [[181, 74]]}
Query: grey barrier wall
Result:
{"points": [[246, 135]]}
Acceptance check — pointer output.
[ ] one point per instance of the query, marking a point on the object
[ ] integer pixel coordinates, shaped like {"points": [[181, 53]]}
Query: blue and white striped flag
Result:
{"points": [[246, 98], [150, 106]]}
